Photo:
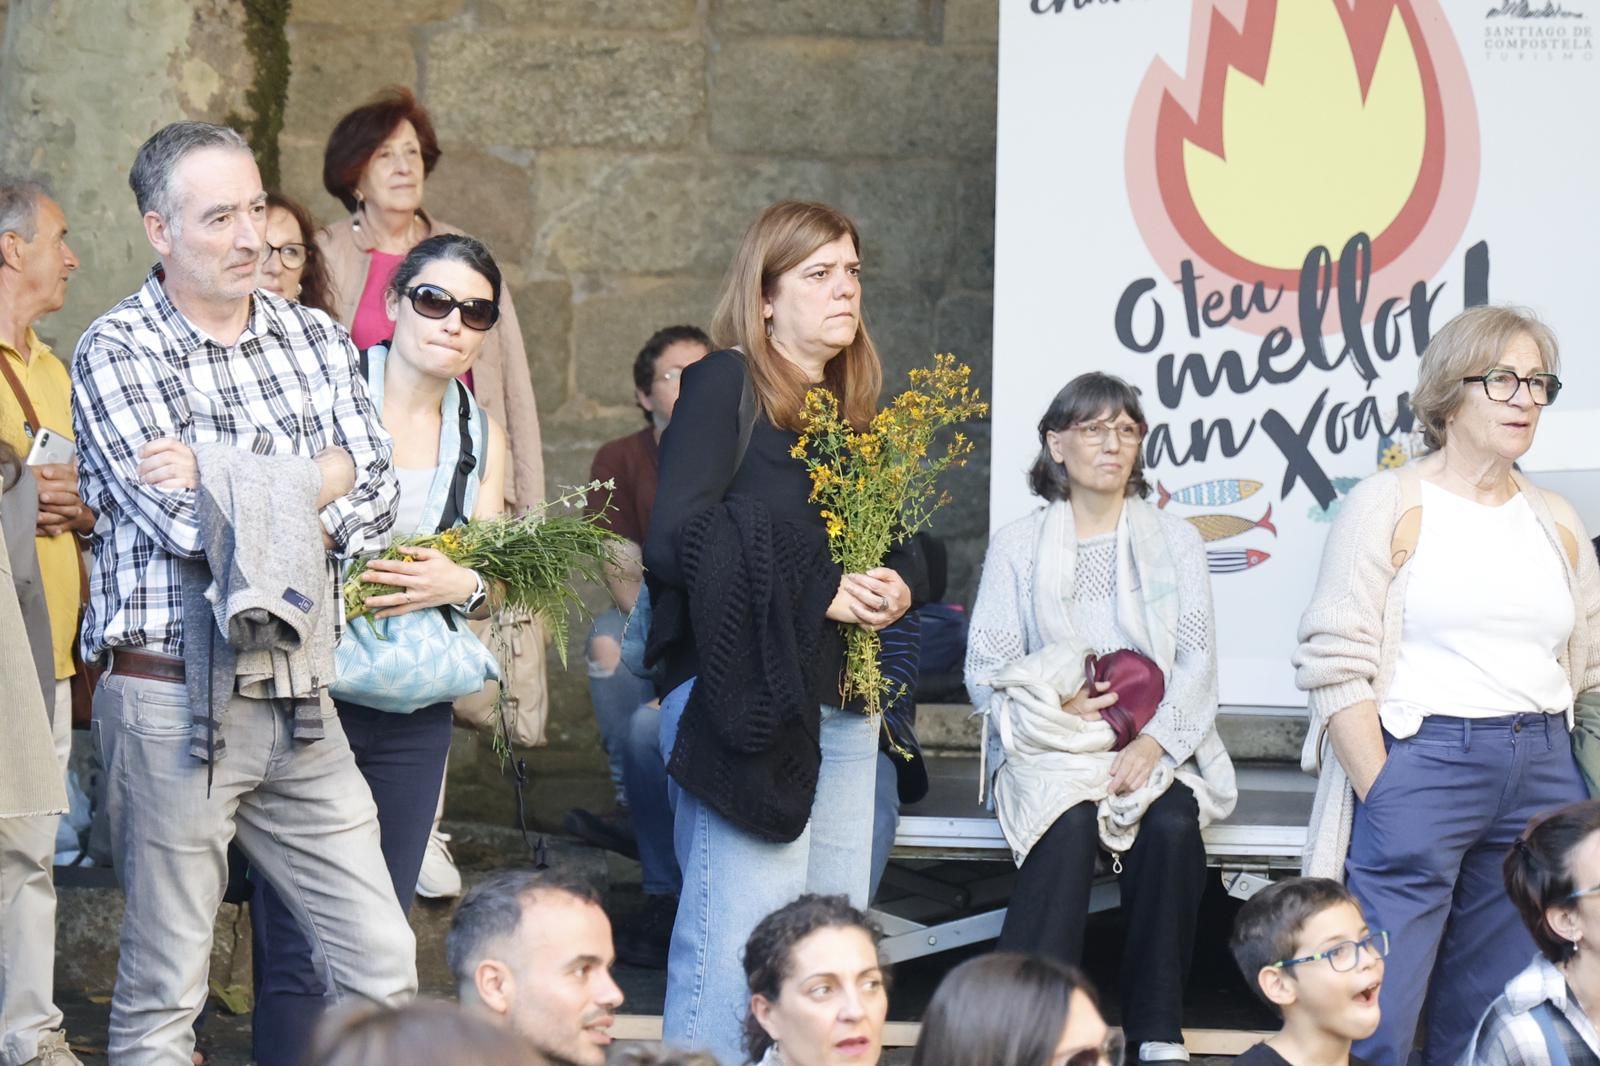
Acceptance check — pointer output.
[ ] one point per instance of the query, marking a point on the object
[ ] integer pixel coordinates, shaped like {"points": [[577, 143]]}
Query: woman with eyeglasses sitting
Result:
{"points": [[1547, 1013], [443, 303], [1009, 1009], [1091, 657], [1453, 623], [291, 263]]}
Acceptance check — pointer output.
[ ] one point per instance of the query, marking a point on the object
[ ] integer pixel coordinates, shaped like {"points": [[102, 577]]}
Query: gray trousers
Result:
{"points": [[303, 814], [28, 915]]}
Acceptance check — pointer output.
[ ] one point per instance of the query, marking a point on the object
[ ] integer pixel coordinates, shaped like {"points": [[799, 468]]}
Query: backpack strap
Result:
{"points": [[1407, 531], [1555, 1048], [455, 505]]}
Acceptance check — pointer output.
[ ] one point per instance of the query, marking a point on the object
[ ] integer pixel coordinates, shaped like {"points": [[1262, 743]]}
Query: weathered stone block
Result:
{"points": [[544, 311], [846, 18], [849, 100], [590, 14], [901, 322], [611, 324], [566, 89], [300, 171], [971, 21], [334, 71], [974, 236], [674, 215], [964, 326], [396, 13], [486, 196]]}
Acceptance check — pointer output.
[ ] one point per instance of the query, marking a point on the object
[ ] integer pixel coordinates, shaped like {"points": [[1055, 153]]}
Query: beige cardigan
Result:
{"points": [[1350, 633], [30, 778], [501, 380]]}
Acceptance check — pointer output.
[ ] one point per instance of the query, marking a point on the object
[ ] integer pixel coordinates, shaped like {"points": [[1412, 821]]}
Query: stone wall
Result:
{"points": [[610, 151]]}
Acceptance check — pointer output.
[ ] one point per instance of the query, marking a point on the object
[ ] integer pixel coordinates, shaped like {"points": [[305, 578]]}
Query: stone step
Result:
{"points": [[1250, 734], [89, 913]]}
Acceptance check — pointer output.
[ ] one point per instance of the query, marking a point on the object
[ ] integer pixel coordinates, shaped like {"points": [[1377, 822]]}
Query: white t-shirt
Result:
{"points": [[1487, 614]]}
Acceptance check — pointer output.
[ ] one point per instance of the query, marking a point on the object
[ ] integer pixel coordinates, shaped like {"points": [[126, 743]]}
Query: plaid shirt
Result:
{"points": [[1509, 1034], [142, 372]]}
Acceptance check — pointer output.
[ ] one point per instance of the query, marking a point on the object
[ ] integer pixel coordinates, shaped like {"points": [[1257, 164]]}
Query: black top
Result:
{"points": [[697, 453], [1262, 1055]]}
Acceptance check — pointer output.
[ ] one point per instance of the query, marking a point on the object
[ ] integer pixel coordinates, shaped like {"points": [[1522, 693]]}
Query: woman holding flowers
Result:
{"points": [[1099, 570], [443, 303], [772, 777]]}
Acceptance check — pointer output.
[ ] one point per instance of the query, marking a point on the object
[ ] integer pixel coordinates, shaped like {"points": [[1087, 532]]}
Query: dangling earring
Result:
{"points": [[769, 333], [355, 214], [297, 290]]}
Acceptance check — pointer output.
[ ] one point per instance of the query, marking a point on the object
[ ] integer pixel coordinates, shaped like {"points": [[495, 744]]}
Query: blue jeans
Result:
{"points": [[1426, 851], [402, 757], [645, 774], [616, 693], [731, 880], [885, 818]]}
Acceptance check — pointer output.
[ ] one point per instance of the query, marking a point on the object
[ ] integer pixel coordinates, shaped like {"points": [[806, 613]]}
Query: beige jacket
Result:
{"points": [[1350, 633], [501, 380], [30, 779]]}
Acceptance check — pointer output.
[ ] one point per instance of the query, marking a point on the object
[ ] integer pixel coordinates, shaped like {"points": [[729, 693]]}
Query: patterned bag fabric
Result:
{"points": [[411, 660]]}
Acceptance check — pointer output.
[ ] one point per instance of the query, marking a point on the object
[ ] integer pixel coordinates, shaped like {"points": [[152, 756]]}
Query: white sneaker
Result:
{"points": [[1159, 1051], [438, 878]]}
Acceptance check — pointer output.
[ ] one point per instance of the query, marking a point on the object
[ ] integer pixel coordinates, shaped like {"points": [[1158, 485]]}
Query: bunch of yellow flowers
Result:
{"points": [[879, 486]]}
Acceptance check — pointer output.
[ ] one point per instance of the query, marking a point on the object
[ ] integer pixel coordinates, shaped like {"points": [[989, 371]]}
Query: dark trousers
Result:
{"points": [[1163, 877], [1426, 854], [402, 757]]}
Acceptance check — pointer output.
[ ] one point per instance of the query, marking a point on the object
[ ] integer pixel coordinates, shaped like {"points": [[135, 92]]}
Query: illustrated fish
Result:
{"points": [[1222, 526], [1223, 490], [1236, 561]]}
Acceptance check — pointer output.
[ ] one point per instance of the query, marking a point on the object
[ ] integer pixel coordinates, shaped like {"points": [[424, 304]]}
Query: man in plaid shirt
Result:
{"points": [[199, 356]]}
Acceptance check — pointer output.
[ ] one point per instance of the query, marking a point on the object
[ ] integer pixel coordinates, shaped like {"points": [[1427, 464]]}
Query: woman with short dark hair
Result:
{"points": [[819, 992], [1100, 583], [1010, 1009], [377, 162], [1552, 874]]}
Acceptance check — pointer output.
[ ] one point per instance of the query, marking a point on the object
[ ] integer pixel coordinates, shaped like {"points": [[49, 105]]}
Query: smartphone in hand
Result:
{"points": [[49, 448]]}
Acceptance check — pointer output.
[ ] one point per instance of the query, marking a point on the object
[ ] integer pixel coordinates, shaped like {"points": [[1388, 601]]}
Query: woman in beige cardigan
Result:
{"points": [[376, 163], [1451, 628]]}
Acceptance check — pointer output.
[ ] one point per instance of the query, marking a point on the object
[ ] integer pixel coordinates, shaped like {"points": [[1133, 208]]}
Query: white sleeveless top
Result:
{"points": [[415, 485], [1487, 615]]}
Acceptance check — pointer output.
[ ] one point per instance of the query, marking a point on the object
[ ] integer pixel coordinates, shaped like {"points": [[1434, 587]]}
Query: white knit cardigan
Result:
{"points": [[1350, 634]]}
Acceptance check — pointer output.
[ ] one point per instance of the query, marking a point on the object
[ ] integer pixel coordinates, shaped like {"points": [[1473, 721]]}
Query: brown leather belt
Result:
{"points": [[146, 665]]}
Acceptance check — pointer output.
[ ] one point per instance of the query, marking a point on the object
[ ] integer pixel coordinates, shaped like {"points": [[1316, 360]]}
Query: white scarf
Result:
{"points": [[1054, 760]]}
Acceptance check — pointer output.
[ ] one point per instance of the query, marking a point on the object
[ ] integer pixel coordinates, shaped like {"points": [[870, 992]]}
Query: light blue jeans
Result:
{"points": [[615, 692], [731, 880]]}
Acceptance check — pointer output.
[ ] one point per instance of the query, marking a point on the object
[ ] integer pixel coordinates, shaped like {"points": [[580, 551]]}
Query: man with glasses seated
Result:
{"points": [[639, 827], [1305, 949]]}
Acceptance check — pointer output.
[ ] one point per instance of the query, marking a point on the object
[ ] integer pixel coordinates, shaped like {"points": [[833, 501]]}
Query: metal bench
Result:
{"points": [[1263, 837]]}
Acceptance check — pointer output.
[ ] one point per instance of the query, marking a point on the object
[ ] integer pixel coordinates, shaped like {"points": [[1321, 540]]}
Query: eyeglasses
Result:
{"points": [[1094, 433], [1109, 1053], [1595, 891], [292, 256], [1346, 955], [1500, 385], [430, 301]]}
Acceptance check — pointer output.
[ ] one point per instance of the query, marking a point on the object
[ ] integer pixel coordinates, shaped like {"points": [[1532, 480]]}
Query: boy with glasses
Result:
{"points": [[1306, 949]]}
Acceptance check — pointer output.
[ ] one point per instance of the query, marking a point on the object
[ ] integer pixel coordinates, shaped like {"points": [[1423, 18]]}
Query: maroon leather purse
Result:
{"points": [[1139, 686]]}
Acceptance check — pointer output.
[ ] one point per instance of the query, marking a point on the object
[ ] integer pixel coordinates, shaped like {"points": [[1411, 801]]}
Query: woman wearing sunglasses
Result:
{"points": [[1547, 1013], [1084, 765], [1452, 625], [443, 305], [1009, 1009]]}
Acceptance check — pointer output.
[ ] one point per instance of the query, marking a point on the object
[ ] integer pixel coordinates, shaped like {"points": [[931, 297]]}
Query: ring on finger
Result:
{"points": [[883, 603]]}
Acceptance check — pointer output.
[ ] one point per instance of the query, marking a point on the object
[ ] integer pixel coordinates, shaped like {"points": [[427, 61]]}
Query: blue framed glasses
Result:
{"points": [[1346, 955]]}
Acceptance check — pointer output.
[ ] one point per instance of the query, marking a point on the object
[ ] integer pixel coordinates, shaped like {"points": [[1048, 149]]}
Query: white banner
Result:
{"points": [[1258, 211]]}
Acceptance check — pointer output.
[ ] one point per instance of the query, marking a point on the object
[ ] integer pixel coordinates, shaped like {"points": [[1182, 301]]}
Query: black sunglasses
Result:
{"points": [[430, 301]]}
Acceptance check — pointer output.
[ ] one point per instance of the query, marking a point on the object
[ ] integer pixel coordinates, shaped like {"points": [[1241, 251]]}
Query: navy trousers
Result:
{"points": [[1426, 854], [402, 756]]}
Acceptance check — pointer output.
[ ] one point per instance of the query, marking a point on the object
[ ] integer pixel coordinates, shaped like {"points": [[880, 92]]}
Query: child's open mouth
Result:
{"points": [[1368, 997]]}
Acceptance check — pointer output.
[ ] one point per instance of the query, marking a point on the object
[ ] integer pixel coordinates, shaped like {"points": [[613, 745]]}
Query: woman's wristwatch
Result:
{"points": [[474, 601]]}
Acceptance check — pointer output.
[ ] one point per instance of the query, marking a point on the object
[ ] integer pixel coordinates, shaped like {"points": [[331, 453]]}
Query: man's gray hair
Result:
{"points": [[19, 206], [151, 176], [491, 911]]}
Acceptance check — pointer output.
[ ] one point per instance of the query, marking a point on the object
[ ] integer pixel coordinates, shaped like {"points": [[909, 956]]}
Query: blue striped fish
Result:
{"points": [[1216, 493]]}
